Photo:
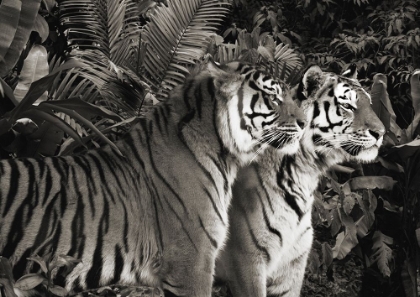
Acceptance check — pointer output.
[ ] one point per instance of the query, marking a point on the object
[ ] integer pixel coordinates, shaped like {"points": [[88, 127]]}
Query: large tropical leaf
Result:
{"points": [[177, 36], [18, 23], [34, 67]]}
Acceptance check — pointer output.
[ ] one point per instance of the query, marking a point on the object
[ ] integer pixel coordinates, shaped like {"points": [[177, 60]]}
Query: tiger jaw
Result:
{"points": [[285, 139]]}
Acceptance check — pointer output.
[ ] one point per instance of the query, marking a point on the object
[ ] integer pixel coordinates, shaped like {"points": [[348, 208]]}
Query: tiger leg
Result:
{"points": [[248, 277], [189, 255], [289, 277]]}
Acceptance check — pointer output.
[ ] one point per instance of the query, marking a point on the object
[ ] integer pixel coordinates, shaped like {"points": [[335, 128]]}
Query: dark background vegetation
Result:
{"points": [[77, 74]]}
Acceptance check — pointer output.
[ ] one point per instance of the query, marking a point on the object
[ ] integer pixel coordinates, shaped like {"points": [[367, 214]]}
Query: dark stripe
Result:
{"points": [[78, 236], [253, 85], [270, 227], [119, 264], [211, 239], [289, 198], [213, 203], [316, 111], [14, 182], [254, 239], [254, 100], [82, 162], [102, 179], [95, 272], [159, 230], [199, 94]]}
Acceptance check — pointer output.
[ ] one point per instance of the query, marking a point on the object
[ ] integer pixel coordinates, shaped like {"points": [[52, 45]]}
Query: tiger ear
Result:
{"points": [[310, 82], [214, 69], [351, 72]]}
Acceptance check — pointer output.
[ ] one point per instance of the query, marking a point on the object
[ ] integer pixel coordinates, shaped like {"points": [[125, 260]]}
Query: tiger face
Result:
{"points": [[266, 112], [343, 125]]}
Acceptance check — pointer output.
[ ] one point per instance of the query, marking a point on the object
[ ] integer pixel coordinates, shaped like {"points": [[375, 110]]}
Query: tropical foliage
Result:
{"points": [[77, 74]]}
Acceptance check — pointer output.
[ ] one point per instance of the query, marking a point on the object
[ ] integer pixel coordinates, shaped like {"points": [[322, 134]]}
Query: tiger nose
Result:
{"points": [[377, 134], [301, 123]]}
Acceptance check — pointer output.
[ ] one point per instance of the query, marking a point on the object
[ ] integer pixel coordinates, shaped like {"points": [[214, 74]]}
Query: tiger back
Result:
{"points": [[157, 215], [270, 232]]}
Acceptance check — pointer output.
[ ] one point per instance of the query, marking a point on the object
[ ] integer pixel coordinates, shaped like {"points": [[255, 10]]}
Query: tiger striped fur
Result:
{"points": [[270, 233], [157, 215]]}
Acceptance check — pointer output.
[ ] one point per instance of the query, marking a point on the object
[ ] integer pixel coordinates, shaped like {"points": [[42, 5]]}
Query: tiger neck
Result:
{"points": [[297, 176]]}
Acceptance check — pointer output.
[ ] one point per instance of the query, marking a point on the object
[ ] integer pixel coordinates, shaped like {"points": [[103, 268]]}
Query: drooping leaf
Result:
{"points": [[415, 90], [40, 261], [382, 105], [6, 277], [41, 26], [28, 13], [81, 119], [9, 19], [34, 67], [415, 97], [327, 254], [363, 225], [406, 150], [408, 276], [57, 290], [372, 182], [38, 87], [347, 239], [382, 254], [37, 114], [29, 281]]}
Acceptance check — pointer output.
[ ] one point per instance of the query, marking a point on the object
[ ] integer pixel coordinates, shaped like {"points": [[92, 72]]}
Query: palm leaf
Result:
{"points": [[177, 36]]}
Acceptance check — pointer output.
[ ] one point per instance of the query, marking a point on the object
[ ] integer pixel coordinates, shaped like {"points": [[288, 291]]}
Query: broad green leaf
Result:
{"points": [[38, 87], [382, 254], [347, 239], [37, 114], [49, 4], [408, 277], [25, 126], [46, 139], [406, 150], [348, 203], [345, 242], [57, 290], [9, 20], [29, 281], [415, 90], [77, 116], [336, 222], [29, 11], [372, 182], [390, 165], [70, 145], [85, 109], [6, 91], [41, 26], [34, 67], [40, 261], [382, 105], [327, 254], [363, 225], [418, 236]]}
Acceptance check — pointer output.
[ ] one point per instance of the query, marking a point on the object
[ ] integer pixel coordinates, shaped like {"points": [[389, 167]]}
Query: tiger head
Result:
{"points": [[342, 123], [260, 110]]}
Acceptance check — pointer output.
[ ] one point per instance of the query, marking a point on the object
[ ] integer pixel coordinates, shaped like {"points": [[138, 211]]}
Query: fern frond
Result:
{"points": [[177, 36], [109, 26]]}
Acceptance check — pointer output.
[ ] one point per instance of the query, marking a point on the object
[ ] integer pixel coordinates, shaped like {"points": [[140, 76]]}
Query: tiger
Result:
{"points": [[270, 232], [154, 213]]}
